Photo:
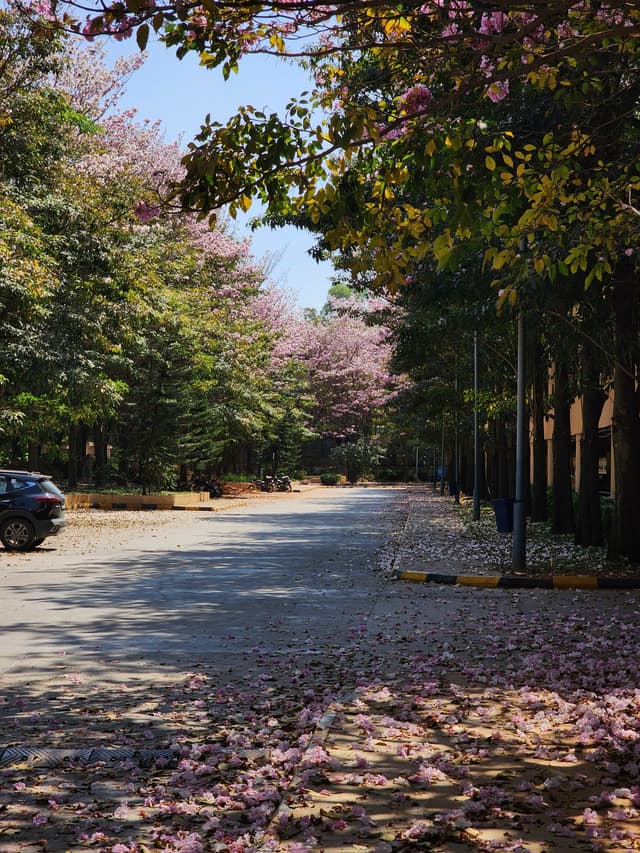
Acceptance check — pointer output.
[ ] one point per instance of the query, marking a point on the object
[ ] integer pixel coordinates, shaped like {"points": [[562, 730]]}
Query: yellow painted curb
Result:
{"points": [[564, 582], [412, 576]]}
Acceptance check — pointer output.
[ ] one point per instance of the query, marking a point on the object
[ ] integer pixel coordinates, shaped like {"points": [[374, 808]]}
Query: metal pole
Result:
{"points": [[456, 464], [476, 436], [417, 450], [435, 468], [442, 460], [456, 486], [518, 540]]}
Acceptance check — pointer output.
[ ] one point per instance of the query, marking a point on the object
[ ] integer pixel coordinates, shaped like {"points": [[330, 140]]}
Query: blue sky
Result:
{"points": [[180, 93]]}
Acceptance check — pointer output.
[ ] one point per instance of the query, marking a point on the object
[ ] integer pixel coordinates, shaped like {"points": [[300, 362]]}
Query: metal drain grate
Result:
{"points": [[51, 757]]}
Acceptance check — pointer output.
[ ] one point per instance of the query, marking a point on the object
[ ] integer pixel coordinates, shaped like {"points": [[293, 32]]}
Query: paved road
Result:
{"points": [[280, 575], [455, 719]]}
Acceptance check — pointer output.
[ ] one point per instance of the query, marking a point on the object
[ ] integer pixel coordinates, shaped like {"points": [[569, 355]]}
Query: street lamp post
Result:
{"points": [[456, 444], [442, 459], [476, 437], [518, 540]]}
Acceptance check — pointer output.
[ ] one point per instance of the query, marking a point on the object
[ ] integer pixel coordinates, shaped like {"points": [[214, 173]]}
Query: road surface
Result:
{"points": [[282, 574], [255, 679]]}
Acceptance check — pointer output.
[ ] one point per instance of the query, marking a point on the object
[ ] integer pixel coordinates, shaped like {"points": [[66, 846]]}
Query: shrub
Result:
{"points": [[329, 478], [390, 475], [357, 458]]}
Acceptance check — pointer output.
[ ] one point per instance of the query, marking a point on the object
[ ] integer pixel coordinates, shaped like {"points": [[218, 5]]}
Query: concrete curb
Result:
{"points": [[515, 582], [197, 508]]}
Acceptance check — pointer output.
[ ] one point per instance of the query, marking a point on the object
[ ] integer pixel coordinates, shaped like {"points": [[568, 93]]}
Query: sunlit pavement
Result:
{"points": [[365, 714]]}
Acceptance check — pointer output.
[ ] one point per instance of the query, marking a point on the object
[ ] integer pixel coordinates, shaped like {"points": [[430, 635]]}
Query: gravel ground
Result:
{"points": [[97, 532], [91, 531], [441, 537]]}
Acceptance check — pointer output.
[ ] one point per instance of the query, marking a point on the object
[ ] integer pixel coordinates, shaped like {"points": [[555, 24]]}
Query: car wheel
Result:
{"points": [[17, 534], [37, 542]]}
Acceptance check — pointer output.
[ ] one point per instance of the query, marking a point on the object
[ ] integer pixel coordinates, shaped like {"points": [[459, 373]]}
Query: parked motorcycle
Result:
{"points": [[283, 483], [215, 489], [266, 485], [202, 483]]}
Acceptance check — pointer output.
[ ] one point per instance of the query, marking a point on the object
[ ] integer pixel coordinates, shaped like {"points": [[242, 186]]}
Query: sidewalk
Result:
{"points": [[441, 543]]}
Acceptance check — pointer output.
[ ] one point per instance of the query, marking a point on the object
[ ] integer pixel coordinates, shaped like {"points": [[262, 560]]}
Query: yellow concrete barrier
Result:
{"points": [[79, 500]]}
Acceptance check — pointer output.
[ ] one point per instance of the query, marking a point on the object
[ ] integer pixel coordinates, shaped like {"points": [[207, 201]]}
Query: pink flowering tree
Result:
{"points": [[332, 366], [347, 361], [287, 401]]}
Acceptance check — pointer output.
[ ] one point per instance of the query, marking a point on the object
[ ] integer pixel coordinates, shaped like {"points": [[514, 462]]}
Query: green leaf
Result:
{"points": [[142, 36]]}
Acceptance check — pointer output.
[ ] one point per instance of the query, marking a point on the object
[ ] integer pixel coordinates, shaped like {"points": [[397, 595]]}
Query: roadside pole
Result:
{"points": [[476, 435], [518, 541]]}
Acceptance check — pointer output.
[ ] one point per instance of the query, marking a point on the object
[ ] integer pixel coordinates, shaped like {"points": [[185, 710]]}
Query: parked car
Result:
{"points": [[31, 508]]}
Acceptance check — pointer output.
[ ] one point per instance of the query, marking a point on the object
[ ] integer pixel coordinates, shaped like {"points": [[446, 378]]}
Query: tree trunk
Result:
{"points": [[483, 485], [625, 540], [539, 506], [562, 520], [72, 474], [491, 461], [405, 463], [501, 460], [100, 449], [506, 461], [34, 456], [589, 529]]}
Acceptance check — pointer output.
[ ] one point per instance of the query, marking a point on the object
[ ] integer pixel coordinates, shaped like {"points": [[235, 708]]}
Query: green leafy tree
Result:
{"points": [[357, 458]]}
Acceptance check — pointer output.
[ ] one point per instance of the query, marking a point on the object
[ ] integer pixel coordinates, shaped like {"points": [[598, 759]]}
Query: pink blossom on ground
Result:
{"points": [[191, 843]]}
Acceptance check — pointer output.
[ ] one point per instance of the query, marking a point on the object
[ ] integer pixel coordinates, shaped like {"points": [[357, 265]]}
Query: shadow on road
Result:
{"points": [[270, 577]]}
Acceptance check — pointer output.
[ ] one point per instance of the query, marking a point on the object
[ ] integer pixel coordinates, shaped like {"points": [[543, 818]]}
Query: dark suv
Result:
{"points": [[31, 508]]}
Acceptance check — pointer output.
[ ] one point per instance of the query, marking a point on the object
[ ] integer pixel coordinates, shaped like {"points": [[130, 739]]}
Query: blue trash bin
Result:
{"points": [[503, 508]]}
